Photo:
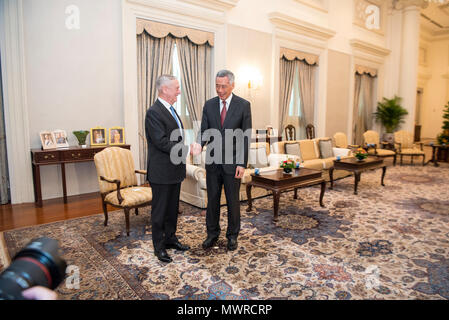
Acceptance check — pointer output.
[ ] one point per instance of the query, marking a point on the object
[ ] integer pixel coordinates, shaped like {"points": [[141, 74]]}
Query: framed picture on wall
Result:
{"points": [[116, 135], [47, 140], [61, 139], [98, 136]]}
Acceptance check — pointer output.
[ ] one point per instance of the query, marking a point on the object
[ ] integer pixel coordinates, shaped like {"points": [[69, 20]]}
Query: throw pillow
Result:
{"points": [[326, 149], [292, 148]]}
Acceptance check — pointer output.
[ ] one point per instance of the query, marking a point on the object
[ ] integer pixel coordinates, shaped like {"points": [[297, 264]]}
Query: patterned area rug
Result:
{"points": [[387, 242]]}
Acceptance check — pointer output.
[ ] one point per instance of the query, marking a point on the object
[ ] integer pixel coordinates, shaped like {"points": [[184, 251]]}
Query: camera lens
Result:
{"points": [[38, 264]]}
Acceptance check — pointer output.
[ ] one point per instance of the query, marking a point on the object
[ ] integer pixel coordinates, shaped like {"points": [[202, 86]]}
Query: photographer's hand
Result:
{"points": [[39, 293]]}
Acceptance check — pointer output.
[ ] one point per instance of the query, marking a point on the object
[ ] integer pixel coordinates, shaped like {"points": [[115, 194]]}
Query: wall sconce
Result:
{"points": [[251, 77]]}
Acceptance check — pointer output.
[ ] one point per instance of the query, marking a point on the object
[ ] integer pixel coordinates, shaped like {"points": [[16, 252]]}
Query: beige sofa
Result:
{"points": [[312, 154]]}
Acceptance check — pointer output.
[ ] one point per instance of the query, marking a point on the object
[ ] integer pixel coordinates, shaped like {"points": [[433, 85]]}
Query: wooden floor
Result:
{"points": [[25, 215]]}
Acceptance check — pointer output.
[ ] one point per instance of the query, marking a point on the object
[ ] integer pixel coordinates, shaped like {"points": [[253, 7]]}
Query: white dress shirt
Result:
{"points": [[228, 102]]}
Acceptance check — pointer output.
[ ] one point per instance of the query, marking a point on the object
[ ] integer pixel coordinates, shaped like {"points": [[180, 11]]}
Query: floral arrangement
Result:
{"points": [[288, 165], [360, 154]]}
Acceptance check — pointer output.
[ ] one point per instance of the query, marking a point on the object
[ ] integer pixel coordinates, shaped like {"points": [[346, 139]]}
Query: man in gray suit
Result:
{"points": [[229, 115]]}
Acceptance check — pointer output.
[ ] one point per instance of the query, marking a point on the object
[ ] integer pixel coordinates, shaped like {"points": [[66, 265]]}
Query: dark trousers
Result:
{"points": [[164, 214], [215, 180]]}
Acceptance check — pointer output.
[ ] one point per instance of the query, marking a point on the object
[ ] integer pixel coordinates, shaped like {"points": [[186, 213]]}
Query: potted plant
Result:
{"points": [[390, 114], [443, 138], [81, 136]]}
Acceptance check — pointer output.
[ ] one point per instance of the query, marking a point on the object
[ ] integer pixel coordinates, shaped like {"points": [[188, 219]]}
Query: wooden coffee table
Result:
{"points": [[277, 182], [353, 165]]}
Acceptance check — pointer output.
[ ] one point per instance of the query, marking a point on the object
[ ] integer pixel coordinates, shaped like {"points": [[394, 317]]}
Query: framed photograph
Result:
{"points": [[116, 135], [61, 139], [98, 136], [47, 140]]}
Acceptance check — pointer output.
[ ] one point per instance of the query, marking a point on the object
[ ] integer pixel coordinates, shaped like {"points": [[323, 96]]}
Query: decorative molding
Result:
{"points": [[218, 5], [369, 48], [168, 8], [321, 5], [404, 4], [291, 24], [15, 101]]}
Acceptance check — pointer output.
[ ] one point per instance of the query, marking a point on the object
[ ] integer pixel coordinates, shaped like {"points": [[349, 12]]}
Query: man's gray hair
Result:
{"points": [[226, 73], [162, 80]]}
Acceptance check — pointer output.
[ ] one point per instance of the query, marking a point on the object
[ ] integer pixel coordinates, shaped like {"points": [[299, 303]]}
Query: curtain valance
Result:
{"points": [[161, 30], [365, 70], [290, 54]]}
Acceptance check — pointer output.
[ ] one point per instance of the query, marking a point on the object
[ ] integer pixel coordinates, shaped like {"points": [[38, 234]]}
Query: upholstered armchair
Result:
{"points": [[375, 147], [406, 147], [118, 182], [341, 141]]}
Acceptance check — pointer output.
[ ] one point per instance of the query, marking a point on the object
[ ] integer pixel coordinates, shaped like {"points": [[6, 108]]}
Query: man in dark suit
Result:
{"points": [[229, 114], [166, 170]]}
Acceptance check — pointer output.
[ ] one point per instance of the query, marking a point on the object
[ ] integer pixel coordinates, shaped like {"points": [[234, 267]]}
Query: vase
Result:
{"points": [[287, 170], [360, 159]]}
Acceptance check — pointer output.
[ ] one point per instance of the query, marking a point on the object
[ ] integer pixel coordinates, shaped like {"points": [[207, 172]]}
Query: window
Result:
{"points": [[295, 113]]}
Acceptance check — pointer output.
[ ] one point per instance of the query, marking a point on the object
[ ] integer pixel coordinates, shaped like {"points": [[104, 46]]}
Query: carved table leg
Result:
{"points": [[296, 194], [323, 189], [384, 170], [276, 198], [331, 176], [356, 180]]}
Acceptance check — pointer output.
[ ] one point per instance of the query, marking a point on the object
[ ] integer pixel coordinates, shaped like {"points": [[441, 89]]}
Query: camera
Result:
{"points": [[37, 264]]}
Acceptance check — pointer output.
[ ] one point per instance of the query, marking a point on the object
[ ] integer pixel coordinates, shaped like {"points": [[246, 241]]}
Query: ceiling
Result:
{"points": [[435, 18]]}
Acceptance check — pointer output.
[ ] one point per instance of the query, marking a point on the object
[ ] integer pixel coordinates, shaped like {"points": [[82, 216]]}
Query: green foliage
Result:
{"points": [[81, 136], [390, 113], [444, 136]]}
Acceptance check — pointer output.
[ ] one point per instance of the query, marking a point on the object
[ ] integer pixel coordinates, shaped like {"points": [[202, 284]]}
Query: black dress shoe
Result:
{"points": [[163, 256], [209, 242], [177, 245], [232, 244]]}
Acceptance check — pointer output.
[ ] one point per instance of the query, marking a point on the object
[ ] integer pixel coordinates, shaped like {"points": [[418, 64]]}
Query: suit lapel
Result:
{"points": [[168, 114], [216, 112]]}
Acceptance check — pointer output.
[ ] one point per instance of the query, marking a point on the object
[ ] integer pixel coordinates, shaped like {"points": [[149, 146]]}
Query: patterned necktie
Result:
{"points": [[223, 113]]}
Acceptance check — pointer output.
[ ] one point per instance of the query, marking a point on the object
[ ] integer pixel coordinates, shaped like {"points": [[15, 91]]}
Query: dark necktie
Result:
{"points": [[223, 113]]}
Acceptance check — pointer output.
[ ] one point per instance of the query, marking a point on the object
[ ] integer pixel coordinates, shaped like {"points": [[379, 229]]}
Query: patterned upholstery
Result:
{"points": [[132, 197], [117, 164], [406, 146]]}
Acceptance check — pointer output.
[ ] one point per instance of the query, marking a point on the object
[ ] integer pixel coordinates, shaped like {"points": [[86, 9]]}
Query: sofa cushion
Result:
{"points": [[292, 148], [257, 157], [317, 164], [308, 151], [326, 149]]}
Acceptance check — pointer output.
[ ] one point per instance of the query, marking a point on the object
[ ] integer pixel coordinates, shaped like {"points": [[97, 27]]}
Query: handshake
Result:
{"points": [[195, 149]]}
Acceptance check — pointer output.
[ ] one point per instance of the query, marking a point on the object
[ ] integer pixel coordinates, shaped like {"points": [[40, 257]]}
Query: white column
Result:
{"points": [[393, 62], [15, 102], [408, 78]]}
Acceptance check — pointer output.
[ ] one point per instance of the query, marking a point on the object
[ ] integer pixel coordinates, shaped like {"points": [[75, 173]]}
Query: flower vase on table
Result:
{"points": [[288, 166], [360, 154]]}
